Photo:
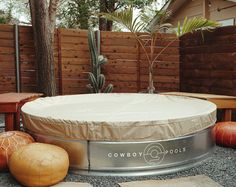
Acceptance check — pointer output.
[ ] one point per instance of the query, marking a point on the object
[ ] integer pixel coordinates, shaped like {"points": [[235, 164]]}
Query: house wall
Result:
{"points": [[222, 14], [191, 8], [194, 8]]}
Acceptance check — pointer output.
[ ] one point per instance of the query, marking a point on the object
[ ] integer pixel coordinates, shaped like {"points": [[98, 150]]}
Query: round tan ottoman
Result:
{"points": [[9, 142], [39, 164]]}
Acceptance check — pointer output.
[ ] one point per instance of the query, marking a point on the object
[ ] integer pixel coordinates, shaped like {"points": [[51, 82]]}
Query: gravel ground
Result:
{"points": [[221, 167]]}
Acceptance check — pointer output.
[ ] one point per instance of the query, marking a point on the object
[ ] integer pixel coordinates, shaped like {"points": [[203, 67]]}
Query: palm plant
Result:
{"points": [[195, 24], [146, 39], [147, 30]]}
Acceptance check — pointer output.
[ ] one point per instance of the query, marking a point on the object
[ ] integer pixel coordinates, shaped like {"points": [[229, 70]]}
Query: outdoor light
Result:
{"points": [[209, 3]]}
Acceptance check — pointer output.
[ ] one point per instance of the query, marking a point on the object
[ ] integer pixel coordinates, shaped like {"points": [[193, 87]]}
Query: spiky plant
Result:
{"points": [[152, 28], [96, 79]]}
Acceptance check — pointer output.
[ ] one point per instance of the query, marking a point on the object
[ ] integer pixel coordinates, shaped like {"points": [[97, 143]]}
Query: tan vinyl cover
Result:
{"points": [[119, 117]]}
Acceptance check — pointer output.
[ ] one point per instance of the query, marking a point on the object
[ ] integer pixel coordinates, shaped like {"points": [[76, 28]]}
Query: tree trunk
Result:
{"points": [[151, 88], [102, 21], [109, 25], [43, 21], [106, 6], [110, 8], [102, 24]]}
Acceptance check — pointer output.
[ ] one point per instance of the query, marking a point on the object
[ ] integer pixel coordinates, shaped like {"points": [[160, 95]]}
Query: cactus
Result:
{"points": [[96, 79]]}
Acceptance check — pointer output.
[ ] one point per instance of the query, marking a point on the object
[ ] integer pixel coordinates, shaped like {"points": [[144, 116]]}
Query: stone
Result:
{"points": [[192, 181]]}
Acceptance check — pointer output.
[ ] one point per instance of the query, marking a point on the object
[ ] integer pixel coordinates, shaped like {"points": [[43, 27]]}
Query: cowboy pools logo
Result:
{"points": [[153, 153]]}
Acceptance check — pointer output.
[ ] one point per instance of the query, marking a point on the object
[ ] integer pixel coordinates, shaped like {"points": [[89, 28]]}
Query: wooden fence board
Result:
{"points": [[224, 39], [77, 40], [6, 35], [25, 29], [74, 54], [7, 65], [7, 28], [119, 69], [77, 61], [119, 42], [159, 71], [74, 33], [209, 66], [74, 47], [7, 60], [6, 43], [123, 62], [163, 57], [126, 68], [119, 49], [226, 48]]}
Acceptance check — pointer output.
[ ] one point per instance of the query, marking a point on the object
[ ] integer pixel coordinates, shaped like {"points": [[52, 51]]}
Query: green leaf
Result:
{"points": [[93, 82], [159, 22], [109, 88], [92, 47], [101, 81], [194, 24], [89, 86], [124, 17]]}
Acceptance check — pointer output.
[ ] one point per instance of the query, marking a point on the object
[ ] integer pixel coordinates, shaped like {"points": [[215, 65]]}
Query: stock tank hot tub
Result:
{"points": [[124, 134]]}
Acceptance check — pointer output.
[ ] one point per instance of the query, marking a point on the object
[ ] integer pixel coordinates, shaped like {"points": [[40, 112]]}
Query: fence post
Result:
{"points": [[59, 62], [17, 58], [138, 69]]}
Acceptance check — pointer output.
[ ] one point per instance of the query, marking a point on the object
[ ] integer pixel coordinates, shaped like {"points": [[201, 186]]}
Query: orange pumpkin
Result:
{"points": [[9, 142], [225, 133]]}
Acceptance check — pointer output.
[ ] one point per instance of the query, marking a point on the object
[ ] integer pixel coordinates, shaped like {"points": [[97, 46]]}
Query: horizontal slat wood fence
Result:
{"points": [[127, 67], [208, 65], [7, 59]]}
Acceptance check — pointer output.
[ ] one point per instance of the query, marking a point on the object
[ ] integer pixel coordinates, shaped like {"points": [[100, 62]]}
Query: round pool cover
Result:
{"points": [[124, 134]]}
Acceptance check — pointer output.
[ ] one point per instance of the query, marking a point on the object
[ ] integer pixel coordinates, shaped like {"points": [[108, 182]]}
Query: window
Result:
{"points": [[226, 22]]}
